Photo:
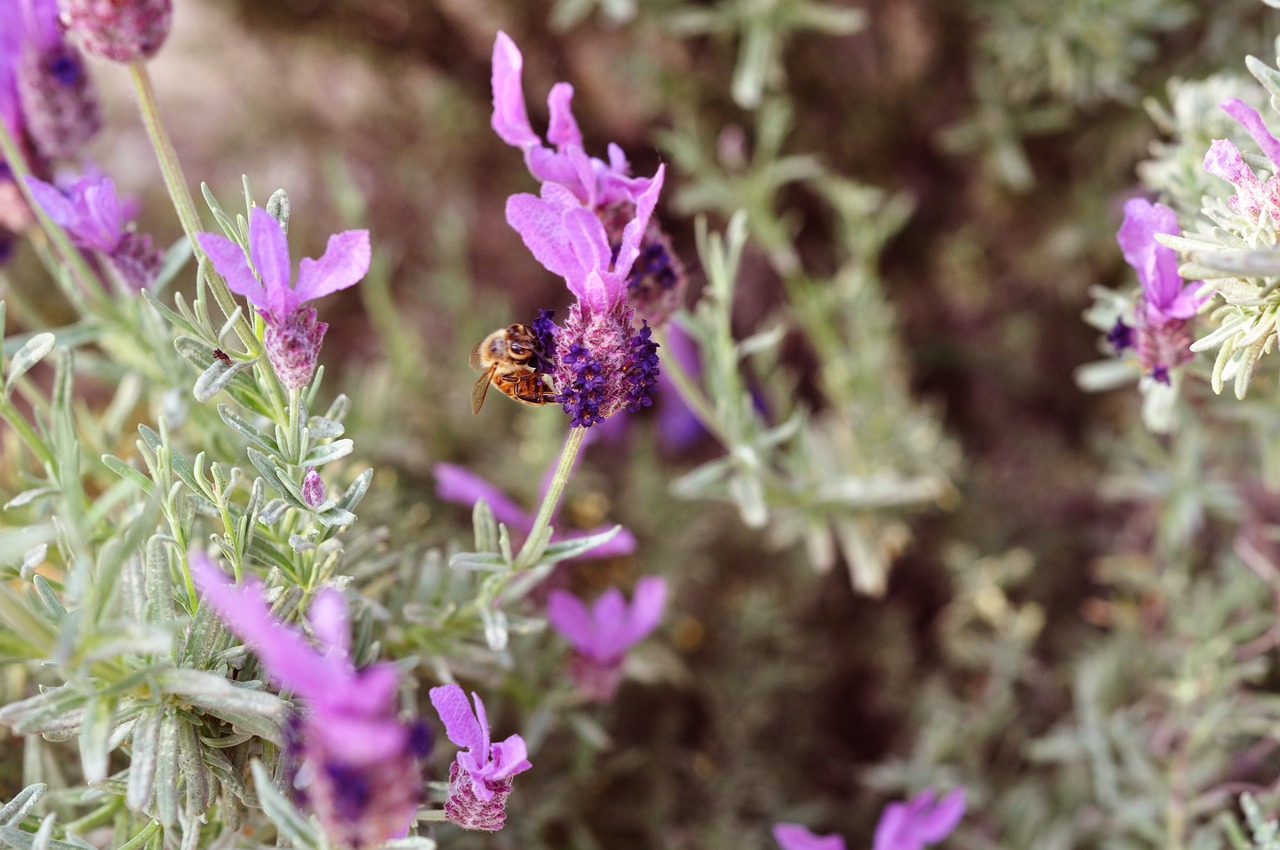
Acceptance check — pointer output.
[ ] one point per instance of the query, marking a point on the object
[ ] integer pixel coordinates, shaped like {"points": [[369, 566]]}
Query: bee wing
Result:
{"points": [[475, 355], [480, 389]]}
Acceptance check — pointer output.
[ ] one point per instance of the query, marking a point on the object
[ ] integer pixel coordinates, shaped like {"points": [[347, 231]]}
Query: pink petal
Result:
{"points": [[510, 117], [940, 820], [55, 204], [459, 720], [1252, 122], [509, 758], [563, 128], [540, 224], [647, 605], [569, 616], [269, 249], [345, 263], [102, 224], [1223, 160], [461, 486], [290, 660], [633, 233], [229, 261], [793, 836], [328, 616]]}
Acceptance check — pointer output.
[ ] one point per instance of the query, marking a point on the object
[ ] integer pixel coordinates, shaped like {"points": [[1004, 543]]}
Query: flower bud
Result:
{"points": [[123, 30], [312, 488]]}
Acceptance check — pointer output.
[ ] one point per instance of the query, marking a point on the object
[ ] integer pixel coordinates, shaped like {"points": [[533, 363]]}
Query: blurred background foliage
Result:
{"points": [[1075, 623]]}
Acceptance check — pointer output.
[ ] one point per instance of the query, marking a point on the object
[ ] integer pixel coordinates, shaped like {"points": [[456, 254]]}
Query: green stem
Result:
{"points": [[142, 837], [9, 414], [183, 203], [536, 542], [97, 817]]}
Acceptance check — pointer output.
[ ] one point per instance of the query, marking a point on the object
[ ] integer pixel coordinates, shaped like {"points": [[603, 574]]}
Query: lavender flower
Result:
{"points": [[479, 779], [918, 822], [1224, 160], [594, 182], [293, 336], [1167, 302], [312, 488], [602, 634], [603, 364], [123, 30], [363, 762], [461, 486], [58, 104], [793, 836], [91, 212]]}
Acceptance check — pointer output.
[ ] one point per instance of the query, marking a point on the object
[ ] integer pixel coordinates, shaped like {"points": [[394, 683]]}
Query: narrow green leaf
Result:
{"points": [[168, 770], [35, 350], [127, 472], [18, 808], [249, 431], [143, 758], [291, 822], [327, 453], [95, 730]]}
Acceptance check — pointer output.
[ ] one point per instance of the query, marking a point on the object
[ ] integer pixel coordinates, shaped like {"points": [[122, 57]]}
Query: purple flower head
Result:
{"points": [[602, 634], [94, 217], [480, 777], [1167, 302], [293, 336], [312, 488], [594, 182], [123, 30], [55, 95], [603, 364], [1224, 160], [919, 821], [364, 762], [793, 836], [10, 51], [461, 486]]}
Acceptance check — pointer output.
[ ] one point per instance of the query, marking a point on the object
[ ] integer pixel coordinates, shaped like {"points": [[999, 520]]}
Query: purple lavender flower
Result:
{"points": [[1224, 160], [122, 30], [918, 822], [602, 634], [312, 488], [603, 364], [594, 182], [10, 49], [461, 486], [293, 336], [1167, 302], [56, 97], [364, 763], [793, 836], [479, 779]]}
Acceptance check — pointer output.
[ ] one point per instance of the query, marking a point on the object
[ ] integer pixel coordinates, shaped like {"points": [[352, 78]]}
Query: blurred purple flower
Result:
{"points": [[364, 762], [603, 364], [793, 836], [480, 778], [918, 822], [59, 108], [122, 30], [10, 49], [1167, 302], [1224, 160], [461, 486], [602, 634], [678, 427], [293, 336], [94, 217], [594, 182]]}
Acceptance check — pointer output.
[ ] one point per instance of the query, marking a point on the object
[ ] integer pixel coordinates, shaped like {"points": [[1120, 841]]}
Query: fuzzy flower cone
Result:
{"points": [[293, 336], [361, 762], [121, 30], [480, 777], [56, 97]]}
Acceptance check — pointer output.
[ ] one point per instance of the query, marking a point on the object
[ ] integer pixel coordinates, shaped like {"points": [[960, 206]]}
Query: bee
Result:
{"points": [[507, 359]]}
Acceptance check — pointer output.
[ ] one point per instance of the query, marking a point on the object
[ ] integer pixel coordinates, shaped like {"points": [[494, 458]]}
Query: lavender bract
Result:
{"points": [[121, 30], [363, 761], [602, 634], [313, 488], [480, 778], [93, 216], [919, 822], [1167, 302], [293, 336], [794, 836]]}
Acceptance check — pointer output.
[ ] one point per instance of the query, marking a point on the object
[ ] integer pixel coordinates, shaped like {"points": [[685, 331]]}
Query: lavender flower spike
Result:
{"points": [[56, 96], [364, 762], [1224, 160], [602, 635], [121, 30], [919, 822], [594, 182], [93, 216], [793, 836], [293, 335], [479, 778]]}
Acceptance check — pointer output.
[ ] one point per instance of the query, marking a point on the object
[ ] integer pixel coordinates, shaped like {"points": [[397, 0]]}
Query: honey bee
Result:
{"points": [[506, 359]]}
